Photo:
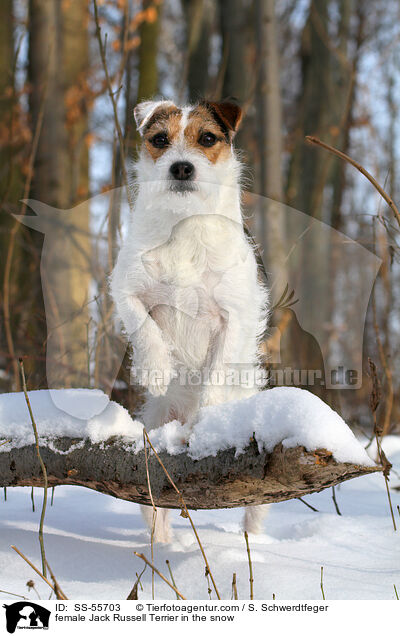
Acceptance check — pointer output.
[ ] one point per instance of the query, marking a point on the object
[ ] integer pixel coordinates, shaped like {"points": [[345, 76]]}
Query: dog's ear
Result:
{"points": [[144, 111], [229, 113]]}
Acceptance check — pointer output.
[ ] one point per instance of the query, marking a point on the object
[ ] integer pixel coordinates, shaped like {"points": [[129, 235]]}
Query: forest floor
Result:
{"points": [[90, 539]]}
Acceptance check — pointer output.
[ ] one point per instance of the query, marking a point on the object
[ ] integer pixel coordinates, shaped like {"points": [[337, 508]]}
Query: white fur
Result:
{"points": [[253, 518], [186, 288], [162, 527]]}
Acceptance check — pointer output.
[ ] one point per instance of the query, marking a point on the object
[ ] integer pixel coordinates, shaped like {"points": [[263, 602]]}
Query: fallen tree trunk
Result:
{"points": [[224, 481]]}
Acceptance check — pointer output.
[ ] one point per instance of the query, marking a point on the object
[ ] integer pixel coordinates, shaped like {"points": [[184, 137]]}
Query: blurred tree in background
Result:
{"points": [[297, 67]]}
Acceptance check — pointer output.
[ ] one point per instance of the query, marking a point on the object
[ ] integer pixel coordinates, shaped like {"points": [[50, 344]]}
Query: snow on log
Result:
{"points": [[279, 444], [223, 481]]}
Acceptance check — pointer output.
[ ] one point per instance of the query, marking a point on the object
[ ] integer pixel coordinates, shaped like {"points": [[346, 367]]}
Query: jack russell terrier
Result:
{"points": [[186, 283]]}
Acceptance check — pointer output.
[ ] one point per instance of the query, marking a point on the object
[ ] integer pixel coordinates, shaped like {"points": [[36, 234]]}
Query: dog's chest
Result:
{"points": [[183, 279], [182, 276]]}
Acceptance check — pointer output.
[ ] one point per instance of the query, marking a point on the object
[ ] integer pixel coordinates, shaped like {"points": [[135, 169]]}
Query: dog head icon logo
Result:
{"points": [[26, 615]]}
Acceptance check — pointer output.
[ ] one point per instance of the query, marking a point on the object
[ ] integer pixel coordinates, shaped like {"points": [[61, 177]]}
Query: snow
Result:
{"points": [[99, 418], [90, 538], [289, 415]]}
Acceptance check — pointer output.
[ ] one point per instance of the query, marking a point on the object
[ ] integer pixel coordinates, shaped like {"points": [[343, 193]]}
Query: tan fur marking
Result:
{"points": [[201, 121], [166, 120]]}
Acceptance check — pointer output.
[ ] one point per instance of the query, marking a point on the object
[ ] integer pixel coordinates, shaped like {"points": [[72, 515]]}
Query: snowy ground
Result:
{"points": [[90, 539]]}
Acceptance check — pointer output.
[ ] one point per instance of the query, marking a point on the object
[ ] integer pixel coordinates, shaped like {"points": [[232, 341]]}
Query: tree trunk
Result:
{"points": [[199, 16], [148, 50], [78, 274], [323, 108], [58, 64], [268, 99], [224, 481], [50, 166], [12, 285], [238, 75], [50, 183]]}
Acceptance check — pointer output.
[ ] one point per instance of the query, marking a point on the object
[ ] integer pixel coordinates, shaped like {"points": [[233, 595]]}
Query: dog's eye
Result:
{"points": [[160, 140], [207, 139]]}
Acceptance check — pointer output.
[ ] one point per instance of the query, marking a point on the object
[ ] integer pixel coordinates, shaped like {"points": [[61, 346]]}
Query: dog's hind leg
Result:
{"points": [[162, 528], [254, 517]]}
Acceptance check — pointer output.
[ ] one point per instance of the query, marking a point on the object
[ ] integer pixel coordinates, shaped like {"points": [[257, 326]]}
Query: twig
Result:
{"points": [[46, 580], [384, 361], [386, 469], [374, 403], [5, 493], [141, 556], [114, 104], [133, 594], [42, 466], [12, 594], [322, 582], [57, 589], [395, 591], [32, 500], [207, 575], [234, 588], [88, 351], [335, 502], [251, 579], [285, 300], [5, 442], [307, 504], [153, 524], [171, 575], [185, 511], [314, 140]]}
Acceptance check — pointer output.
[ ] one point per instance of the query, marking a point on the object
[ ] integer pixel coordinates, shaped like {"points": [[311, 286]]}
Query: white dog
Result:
{"points": [[186, 283]]}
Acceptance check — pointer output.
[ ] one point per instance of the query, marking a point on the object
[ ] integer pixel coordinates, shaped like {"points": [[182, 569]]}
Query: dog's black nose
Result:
{"points": [[182, 170]]}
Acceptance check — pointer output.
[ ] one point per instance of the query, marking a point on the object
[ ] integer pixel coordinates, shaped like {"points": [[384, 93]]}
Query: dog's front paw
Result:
{"points": [[154, 373]]}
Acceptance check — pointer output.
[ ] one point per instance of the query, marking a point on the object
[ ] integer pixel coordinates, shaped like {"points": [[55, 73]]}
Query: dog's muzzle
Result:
{"points": [[182, 175]]}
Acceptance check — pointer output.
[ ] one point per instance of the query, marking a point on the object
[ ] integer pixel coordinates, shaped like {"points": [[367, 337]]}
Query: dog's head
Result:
{"points": [[187, 149]]}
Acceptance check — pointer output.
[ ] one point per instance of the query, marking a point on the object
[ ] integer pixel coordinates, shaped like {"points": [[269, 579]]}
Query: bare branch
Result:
{"points": [[141, 556], [315, 141]]}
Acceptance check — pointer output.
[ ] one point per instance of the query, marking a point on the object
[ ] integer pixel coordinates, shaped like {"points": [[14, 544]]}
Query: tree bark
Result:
{"points": [[199, 17], [224, 481], [269, 108], [147, 64], [238, 76], [78, 274], [323, 107], [59, 60], [12, 286]]}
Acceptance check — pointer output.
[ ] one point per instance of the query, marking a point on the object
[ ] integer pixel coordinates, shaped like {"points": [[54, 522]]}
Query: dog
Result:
{"points": [[185, 284]]}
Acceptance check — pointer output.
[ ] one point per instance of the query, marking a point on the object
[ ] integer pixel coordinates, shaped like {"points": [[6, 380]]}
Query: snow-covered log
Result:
{"points": [[221, 481], [279, 444]]}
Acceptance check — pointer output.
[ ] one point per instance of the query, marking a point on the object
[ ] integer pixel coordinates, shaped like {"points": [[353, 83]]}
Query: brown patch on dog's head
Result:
{"points": [[161, 130], [211, 127]]}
